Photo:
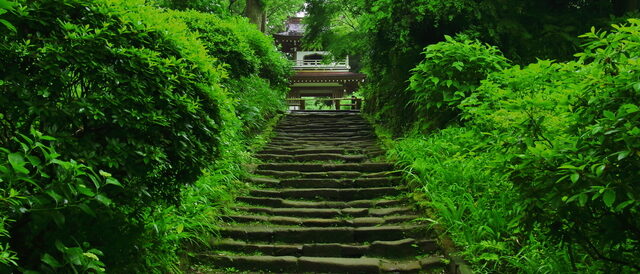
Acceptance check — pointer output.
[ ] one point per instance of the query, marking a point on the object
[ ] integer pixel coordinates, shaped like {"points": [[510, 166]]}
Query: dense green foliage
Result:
{"points": [[257, 74], [541, 175], [388, 37], [529, 167], [451, 71], [123, 123]]}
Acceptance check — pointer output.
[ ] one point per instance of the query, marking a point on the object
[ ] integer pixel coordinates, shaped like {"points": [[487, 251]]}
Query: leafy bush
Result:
{"points": [[122, 88], [45, 197], [451, 71], [570, 134], [258, 73], [587, 186]]}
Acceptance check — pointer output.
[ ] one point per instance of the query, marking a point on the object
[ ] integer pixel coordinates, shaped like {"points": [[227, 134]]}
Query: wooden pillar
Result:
{"points": [[302, 104]]}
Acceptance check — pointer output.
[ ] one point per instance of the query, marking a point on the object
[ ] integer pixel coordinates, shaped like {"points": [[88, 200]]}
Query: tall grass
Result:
{"points": [[459, 175]]}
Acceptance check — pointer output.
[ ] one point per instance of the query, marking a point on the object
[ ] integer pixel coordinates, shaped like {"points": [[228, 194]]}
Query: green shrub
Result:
{"points": [[450, 72], [122, 87], [45, 197], [238, 44], [585, 191], [570, 133], [258, 73]]}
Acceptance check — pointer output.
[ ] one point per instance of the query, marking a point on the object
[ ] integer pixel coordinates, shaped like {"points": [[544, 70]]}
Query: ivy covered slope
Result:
{"points": [[111, 111]]}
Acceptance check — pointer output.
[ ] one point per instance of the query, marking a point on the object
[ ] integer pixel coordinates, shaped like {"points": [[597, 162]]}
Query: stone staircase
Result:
{"points": [[324, 202]]}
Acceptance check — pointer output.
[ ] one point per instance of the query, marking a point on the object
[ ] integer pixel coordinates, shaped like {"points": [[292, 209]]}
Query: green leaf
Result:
{"points": [[84, 190], [600, 170], [636, 87], [609, 197], [575, 177], [86, 209], [8, 25], [17, 163], [103, 199], [113, 181], [51, 261], [623, 154], [610, 115], [582, 199], [104, 174], [624, 204]]}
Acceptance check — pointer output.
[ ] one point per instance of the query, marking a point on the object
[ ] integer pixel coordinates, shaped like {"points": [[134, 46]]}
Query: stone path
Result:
{"points": [[322, 203]]}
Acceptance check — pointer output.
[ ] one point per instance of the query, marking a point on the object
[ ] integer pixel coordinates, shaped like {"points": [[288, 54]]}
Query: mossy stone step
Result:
{"points": [[291, 264], [323, 143], [327, 183], [298, 151], [312, 157], [327, 130], [319, 167], [278, 202], [325, 139], [271, 234], [321, 222], [327, 212], [404, 248], [332, 194]]}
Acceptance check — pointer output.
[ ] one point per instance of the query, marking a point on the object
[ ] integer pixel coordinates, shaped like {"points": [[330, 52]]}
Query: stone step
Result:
{"points": [[316, 143], [327, 183], [291, 264], [298, 151], [331, 194], [327, 212], [325, 129], [324, 139], [329, 174], [341, 151], [404, 248], [320, 222], [327, 133], [274, 234], [278, 202], [312, 157], [315, 167]]}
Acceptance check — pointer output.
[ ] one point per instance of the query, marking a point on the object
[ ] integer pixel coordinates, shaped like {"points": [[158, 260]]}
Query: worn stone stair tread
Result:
{"points": [[279, 202], [313, 157], [321, 222], [402, 248], [321, 264], [327, 212], [317, 167], [326, 133], [305, 151], [322, 130], [325, 138], [326, 182], [298, 174], [341, 234], [333, 194]]}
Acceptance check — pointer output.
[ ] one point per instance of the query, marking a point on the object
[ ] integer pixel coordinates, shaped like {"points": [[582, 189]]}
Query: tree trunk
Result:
{"points": [[255, 12]]}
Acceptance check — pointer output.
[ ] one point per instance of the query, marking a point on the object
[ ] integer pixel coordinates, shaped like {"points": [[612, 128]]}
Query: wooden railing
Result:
{"points": [[318, 64], [301, 104]]}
